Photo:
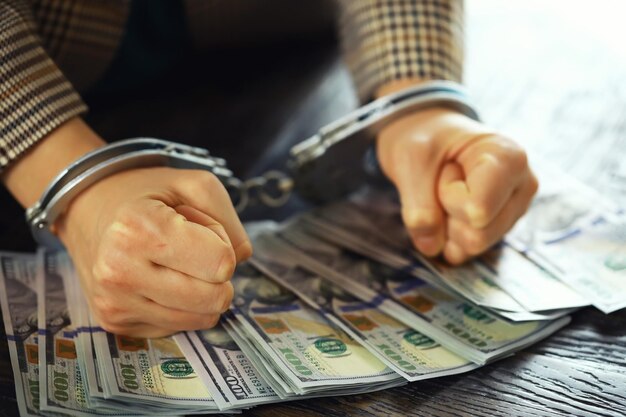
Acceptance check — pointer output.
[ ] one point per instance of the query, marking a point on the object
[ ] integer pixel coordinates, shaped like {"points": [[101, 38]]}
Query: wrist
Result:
{"points": [[88, 205], [435, 123], [446, 133], [28, 177], [394, 86]]}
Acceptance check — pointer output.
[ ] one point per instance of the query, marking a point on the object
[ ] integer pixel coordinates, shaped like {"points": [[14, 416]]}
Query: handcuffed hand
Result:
{"points": [[461, 185], [155, 249]]}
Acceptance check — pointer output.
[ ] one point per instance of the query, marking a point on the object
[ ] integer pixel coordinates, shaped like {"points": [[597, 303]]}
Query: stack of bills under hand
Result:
{"points": [[333, 302]]}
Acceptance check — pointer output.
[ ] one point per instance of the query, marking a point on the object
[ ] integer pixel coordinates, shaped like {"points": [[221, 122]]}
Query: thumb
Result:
{"points": [[453, 191], [198, 217], [242, 252], [416, 180]]}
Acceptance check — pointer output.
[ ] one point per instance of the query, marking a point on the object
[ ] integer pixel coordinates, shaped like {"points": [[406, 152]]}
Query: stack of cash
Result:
{"points": [[334, 302]]}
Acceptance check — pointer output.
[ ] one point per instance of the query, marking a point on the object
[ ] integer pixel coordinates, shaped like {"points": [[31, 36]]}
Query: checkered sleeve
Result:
{"points": [[386, 40], [35, 97]]}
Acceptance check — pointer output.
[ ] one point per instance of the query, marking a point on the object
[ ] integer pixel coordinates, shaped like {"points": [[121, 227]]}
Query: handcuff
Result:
{"points": [[322, 168]]}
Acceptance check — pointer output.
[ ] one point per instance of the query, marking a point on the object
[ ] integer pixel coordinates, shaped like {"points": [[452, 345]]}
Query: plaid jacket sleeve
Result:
{"points": [[385, 40], [35, 97]]}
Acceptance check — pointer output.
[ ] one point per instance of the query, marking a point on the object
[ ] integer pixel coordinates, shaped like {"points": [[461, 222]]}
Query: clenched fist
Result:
{"points": [[461, 186], [155, 249]]}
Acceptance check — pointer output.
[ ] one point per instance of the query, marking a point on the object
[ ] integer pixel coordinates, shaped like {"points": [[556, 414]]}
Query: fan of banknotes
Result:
{"points": [[334, 302]]}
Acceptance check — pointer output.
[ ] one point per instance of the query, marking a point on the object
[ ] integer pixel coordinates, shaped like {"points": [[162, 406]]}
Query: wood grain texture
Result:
{"points": [[527, 384], [552, 75]]}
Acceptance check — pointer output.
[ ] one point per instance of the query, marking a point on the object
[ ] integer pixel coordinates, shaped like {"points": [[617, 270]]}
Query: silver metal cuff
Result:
{"points": [[106, 161], [330, 164]]}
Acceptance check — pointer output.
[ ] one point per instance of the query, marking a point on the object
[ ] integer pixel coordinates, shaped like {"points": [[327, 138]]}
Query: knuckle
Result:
{"points": [[244, 251], [113, 328], [107, 310], [105, 273], [197, 299], [534, 185], [130, 229], [456, 261], [118, 329], [454, 253], [210, 321], [128, 219], [220, 298], [110, 327], [197, 322], [225, 266], [227, 293], [136, 230], [214, 298], [201, 187], [117, 237], [478, 212], [109, 274], [203, 181], [517, 160]]}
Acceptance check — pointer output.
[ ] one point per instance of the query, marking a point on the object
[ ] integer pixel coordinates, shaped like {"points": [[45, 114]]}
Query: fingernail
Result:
{"points": [[420, 217]]}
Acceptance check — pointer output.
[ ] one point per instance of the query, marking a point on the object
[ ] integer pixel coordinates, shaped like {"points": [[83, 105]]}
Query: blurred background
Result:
{"points": [[553, 76]]}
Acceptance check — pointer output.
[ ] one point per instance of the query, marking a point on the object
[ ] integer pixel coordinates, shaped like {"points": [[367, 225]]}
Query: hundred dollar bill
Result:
{"points": [[247, 344], [466, 329], [231, 378], [127, 371], [499, 279], [539, 290], [590, 257], [18, 293], [79, 314], [310, 353], [401, 258], [561, 206], [474, 283], [62, 385], [151, 371], [468, 280], [408, 352], [580, 236], [83, 340], [63, 388]]}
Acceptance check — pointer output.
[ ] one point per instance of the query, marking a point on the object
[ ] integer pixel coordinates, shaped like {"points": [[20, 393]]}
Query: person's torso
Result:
{"points": [[139, 39]]}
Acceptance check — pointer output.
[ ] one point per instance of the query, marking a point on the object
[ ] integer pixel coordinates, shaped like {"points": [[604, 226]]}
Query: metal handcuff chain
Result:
{"points": [[317, 163], [322, 168], [272, 189]]}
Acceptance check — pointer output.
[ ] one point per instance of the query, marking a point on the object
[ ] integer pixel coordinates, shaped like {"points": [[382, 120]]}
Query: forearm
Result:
{"points": [[386, 40], [29, 176], [40, 131]]}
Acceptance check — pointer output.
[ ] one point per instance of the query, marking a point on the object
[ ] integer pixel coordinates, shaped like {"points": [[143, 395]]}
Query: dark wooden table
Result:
{"points": [[552, 75]]}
